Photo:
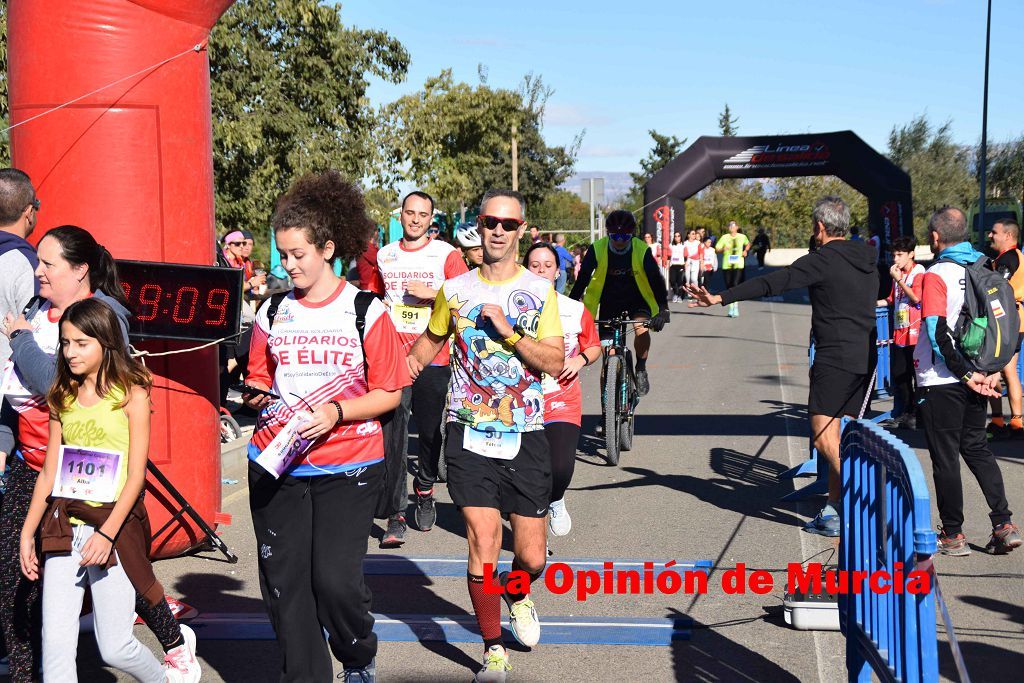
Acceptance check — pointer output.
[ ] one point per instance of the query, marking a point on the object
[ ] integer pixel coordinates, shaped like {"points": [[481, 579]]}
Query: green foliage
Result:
{"points": [[288, 84], [728, 124], [940, 169], [562, 211], [454, 141], [665, 149], [1006, 169]]}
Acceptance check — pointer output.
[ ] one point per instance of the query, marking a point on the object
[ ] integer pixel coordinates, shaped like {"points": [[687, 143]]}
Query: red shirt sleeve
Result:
{"points": [[261, 363], [454, 265], [369, 275], [918, 287], [588, 335], [385, 362], [933, 296]]}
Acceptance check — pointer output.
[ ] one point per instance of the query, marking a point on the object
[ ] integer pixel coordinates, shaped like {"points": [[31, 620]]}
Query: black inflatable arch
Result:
{"points": [[842, 154]]}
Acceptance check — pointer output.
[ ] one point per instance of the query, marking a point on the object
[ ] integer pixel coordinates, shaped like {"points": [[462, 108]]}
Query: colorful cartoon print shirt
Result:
{"points": [[491, 389]]}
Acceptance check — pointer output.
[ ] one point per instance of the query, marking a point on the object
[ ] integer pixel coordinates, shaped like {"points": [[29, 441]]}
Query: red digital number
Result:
{"points": [[220, 306], [152, 301], [127, 288], [182, 293]]}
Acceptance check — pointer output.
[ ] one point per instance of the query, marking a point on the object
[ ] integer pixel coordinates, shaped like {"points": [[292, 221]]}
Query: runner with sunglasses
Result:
{"points": [[620, 275], [507, 333]]}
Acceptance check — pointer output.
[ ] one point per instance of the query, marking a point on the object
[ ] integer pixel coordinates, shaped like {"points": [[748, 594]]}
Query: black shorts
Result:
{"points": [[836, 392], [521, 486], [637, 312]]}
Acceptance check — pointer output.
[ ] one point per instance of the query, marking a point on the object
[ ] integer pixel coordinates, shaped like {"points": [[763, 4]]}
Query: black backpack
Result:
{"points": [[986, 330], [387, 421]]}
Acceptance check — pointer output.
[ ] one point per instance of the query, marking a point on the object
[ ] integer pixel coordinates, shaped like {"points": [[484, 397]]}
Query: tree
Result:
{"points": [[454, 141], [728, 124], [1006, 169], [288, 84], [562, 211], [940, 169], [665, 149]]}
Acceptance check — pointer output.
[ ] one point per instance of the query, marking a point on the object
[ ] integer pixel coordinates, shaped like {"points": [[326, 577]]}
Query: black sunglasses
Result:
{"points": [[492, 222], [237, 244]]}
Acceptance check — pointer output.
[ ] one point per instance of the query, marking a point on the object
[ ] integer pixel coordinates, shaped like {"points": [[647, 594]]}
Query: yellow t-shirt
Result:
{"points": [[103, 425], [490, 387]]}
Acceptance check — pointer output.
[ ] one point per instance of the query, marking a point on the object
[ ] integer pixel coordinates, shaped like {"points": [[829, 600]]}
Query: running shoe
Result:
{"points": [[643, 384], [559, 520], [394, 537], [891, 423], [1005, 538], [996, 432], [365, 674], [599, 429], [180, 664], [496, 666], [522, 617], [823, 525], [425, 513], [908, 421], [954, 545]]}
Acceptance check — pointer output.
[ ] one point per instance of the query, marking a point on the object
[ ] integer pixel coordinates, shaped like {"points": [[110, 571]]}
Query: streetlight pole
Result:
{"points": [[984, 127]]}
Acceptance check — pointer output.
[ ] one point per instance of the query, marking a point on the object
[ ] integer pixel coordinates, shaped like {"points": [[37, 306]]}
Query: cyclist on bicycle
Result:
{"points": [[620, 274]]}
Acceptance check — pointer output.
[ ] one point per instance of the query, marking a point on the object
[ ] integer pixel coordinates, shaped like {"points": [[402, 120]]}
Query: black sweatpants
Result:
{"points": [[20, 604], [901, 367], [563, 438], [429, 392], [311, 534], [676, 278], [954, 426]]}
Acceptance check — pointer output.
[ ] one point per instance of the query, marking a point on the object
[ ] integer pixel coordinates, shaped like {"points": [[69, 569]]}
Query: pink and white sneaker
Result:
{"points": [[180, 664]]}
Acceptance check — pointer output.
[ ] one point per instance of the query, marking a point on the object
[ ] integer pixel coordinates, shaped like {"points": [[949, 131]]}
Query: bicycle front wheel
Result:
{"points": [[613, 379]]}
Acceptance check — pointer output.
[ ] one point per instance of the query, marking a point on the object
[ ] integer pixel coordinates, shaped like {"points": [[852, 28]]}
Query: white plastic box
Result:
{"points": [[811, 612]]}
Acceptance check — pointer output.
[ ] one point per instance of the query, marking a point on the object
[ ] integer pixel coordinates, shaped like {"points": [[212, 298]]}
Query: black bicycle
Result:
{"points": [[619, 395]]}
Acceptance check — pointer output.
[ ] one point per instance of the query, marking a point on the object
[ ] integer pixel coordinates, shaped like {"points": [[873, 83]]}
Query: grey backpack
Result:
{"points": [[986, 331]]}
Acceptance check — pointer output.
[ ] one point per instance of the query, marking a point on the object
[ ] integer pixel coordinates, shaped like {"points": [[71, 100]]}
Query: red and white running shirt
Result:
{"points": [[693, 251], [312, 356], [563, 399], [676, 254], [942, 295], [33, 413], [906, 314], [432, 264]]}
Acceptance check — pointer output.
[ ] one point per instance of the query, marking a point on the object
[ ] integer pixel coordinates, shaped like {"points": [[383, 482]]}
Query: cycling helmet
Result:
{"points": [[468, 236]]}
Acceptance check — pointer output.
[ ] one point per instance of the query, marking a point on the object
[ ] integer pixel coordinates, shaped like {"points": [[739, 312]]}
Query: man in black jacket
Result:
{"points": [[842, 280]]}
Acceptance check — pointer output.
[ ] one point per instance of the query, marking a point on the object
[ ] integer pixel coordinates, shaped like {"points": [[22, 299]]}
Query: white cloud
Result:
{"points": [[571, 115]]}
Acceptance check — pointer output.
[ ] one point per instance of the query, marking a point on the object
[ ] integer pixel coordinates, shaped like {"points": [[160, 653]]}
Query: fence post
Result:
{"points": [[886, 518]]}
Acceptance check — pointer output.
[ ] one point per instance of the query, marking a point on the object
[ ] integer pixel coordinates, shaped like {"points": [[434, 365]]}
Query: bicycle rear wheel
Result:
{"points": [[612, 408]]}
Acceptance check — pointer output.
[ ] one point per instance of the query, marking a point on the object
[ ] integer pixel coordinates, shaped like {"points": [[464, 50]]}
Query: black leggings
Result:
{"points": [[733, 276], [901, 364], [676, 278], [563, 437], [20, 603]]}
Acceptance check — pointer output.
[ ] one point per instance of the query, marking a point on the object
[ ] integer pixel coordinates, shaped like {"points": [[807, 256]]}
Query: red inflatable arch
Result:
{"points": [[132, 164]]}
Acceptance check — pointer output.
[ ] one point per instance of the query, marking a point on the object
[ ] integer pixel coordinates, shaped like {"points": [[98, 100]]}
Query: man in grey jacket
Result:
{"points": [[18, 262]]}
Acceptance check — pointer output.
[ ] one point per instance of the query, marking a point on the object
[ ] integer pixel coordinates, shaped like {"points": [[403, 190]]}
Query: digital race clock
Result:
{"points": [[177, 301]]}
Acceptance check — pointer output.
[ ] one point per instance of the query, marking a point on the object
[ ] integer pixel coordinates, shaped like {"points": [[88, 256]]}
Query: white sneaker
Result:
{"points": [[522, 617], [559, 520], [496, 666], [180, 664]]}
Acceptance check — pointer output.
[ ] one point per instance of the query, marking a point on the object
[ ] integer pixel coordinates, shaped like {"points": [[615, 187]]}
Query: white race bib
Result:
{"points": [[287, 447], [733, 259], [87, 474], [492, 444], [410, 319]]}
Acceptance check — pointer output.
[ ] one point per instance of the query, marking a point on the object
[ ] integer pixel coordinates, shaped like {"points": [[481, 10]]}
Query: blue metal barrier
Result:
{"points": [[886, 519], [883, 378]]}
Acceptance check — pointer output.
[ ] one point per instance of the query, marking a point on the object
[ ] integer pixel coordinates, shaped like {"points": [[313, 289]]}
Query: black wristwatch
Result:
{"points": [[16, 333]]}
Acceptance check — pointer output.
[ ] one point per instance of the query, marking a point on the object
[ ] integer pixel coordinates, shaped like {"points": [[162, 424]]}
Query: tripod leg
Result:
{"points": [[188, 510]]}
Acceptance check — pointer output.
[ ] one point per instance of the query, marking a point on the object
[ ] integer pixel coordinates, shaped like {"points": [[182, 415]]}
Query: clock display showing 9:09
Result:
{"points": [[181, 304]]}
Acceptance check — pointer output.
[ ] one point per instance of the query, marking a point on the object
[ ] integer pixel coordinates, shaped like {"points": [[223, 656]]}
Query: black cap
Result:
{"points": [[246, 234]]}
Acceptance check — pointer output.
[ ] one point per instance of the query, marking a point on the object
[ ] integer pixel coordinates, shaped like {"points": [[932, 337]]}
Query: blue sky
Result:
{"points": [[790, 66]]}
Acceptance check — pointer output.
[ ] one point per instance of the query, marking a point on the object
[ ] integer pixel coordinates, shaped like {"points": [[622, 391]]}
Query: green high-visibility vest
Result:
{"points": [[593, 295]]}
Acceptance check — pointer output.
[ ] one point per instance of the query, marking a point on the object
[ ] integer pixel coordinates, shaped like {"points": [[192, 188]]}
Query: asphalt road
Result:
{"points": [[726, 415]]}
